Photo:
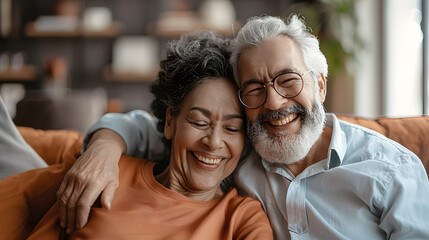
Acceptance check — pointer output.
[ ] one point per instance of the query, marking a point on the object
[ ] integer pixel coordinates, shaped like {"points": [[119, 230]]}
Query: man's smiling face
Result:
{"points": [[282, 129]]}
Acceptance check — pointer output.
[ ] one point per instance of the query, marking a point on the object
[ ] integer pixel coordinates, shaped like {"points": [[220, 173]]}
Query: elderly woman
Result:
{"points": [[202, 120]]}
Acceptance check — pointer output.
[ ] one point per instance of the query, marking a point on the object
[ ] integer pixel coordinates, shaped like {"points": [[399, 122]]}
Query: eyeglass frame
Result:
{"points": [[274, 86]]}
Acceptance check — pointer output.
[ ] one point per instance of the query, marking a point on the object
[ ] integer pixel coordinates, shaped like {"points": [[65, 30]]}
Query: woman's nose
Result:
{"points": [[213, 139]]}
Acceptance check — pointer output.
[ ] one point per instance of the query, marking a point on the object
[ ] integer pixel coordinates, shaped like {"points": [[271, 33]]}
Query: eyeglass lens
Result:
{"points": [[287, 85]]}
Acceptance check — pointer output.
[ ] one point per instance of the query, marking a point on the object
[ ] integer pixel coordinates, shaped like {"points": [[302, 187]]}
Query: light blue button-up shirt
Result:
{"points": [[369, 187]]}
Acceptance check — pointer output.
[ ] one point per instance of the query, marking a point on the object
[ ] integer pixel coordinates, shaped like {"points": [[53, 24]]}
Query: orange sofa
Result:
{"points": [[25, 198]]}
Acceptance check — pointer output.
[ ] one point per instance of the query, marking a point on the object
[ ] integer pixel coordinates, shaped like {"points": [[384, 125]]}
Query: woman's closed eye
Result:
{"points": [[234, 128], [200, 124]]}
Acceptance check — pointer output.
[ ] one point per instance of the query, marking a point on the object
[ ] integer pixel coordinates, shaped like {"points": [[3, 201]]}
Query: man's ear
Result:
{"points": [[169, 125], [321, 81]]}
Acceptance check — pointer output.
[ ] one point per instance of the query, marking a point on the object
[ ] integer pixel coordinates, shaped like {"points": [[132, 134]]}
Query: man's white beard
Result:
{"points": [[284, 147]]}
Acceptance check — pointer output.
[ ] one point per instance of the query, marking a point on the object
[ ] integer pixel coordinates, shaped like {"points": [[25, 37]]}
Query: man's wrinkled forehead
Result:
{"points": [[269, 58]]}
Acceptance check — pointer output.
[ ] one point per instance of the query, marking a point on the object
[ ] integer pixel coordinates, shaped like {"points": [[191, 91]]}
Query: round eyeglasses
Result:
{"points": [[287, 84]]}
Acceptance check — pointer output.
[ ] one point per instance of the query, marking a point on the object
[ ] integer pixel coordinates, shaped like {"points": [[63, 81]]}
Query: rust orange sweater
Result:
{"points": [[144, 209]]}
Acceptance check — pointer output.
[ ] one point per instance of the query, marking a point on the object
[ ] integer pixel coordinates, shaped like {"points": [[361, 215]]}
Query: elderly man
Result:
{"points": [[317, 177]]}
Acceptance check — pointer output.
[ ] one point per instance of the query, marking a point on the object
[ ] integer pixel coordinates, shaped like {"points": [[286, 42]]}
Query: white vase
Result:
{"points": [[218, 14]]}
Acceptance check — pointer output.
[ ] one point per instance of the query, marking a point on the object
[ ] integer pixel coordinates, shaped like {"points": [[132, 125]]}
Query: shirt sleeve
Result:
{"points": [[16, 155], [252, 222], [139, 131], [405, 205]]}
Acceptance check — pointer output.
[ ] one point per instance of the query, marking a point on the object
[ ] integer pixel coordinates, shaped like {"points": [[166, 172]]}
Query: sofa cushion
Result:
{"points": [[53, 146]]}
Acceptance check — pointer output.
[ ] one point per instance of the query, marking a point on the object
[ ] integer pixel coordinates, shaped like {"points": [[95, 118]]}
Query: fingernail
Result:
{"points": [[68, 231], [62, 225]]}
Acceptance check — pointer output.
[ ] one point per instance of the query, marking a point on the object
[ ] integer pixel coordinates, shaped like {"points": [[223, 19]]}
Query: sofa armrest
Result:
{"points": [[26, 197], [53, 146]]}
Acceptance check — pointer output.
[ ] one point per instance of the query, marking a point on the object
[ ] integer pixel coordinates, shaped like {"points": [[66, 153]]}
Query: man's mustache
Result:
{"points": [[281, 113]]}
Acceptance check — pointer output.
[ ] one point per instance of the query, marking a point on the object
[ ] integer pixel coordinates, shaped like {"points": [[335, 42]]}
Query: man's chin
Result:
{"points": [[281, 151], [277, 136], [277, 145]]}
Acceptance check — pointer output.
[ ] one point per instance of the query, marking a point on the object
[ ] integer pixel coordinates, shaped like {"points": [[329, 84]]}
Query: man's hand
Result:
{"points": [[94, 172]]}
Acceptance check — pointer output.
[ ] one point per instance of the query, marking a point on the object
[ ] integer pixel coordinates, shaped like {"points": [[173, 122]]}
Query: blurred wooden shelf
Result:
{"points": [[111, 76], [174, 23], [169, 32], [27, 73], [112, 31]]}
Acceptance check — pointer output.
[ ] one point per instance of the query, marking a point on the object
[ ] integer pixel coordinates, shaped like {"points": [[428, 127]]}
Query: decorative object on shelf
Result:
{"points": [[174, 23], [17, 61], [5, 17], [218, 14], [95, 22], [65, 20], [135, 56], [56, 24], [114, 105], [96, 19], [55, 82], [4, 61], [13, 68], [68, 8]]}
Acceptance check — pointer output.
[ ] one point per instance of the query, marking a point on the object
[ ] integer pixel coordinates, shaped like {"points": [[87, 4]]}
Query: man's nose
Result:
{"points": [[214, 139], [274, 101]]}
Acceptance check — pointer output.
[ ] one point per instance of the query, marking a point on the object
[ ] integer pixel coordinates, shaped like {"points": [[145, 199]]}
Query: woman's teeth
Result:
{"points": [[208, 160], [279, 122]]}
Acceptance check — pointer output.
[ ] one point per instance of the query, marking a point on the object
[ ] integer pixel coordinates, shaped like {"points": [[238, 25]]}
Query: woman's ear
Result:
{"points": [[169, 125]]}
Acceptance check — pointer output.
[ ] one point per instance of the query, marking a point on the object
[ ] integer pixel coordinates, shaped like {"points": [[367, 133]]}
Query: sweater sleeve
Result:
{"points": [[252, 222], [26, 197]]}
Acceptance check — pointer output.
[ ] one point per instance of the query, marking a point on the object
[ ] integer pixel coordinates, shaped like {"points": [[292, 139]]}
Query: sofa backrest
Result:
{"points": [[53, 146]]}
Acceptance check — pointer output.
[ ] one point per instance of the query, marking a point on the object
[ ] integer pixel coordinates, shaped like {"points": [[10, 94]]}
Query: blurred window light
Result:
{"points": [[368, 63], [403, 58], [425, 27]]}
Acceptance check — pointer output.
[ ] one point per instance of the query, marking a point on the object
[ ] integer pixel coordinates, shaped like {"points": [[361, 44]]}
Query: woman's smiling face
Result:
{"points": [[207, 138]]}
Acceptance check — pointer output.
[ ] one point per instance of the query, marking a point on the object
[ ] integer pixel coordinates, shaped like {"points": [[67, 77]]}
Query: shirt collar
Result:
{"points": [[338, 146]]}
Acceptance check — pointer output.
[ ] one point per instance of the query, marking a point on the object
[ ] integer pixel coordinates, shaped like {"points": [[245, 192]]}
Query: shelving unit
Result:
{"points": [[112, 31], [89, 54]]}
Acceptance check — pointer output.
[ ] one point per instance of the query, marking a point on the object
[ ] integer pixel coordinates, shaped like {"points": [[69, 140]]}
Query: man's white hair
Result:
{"points": [[259, 29]]}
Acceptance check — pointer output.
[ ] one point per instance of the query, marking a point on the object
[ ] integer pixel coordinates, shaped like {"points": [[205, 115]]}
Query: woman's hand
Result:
{"points": [[94, 172]]}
